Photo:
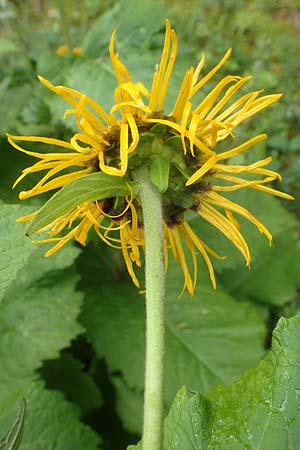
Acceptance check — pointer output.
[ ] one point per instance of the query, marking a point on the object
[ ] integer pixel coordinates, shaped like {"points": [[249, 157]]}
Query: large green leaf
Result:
{"points": [[206, 336], [137, 23], [38, 317], [15, 248], [260, 411], [89, 188], [13, 438], [12, 101], [50, 422]]}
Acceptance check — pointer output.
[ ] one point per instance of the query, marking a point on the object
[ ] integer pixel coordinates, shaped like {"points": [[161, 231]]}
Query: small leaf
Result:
{"points": [[159, 173], [90, 188], [13, 438]]}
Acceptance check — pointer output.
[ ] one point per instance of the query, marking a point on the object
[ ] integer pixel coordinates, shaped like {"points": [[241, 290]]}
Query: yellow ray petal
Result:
{"points": [[221, 222], [215, 199], [188, 283], [203, 170], [210, 74], [208, 102], [199, 244], [125, 241], [241, 148], [134, 133], [121, 71], [183, 95], [163, 70], [227, 96], [54, 184]]}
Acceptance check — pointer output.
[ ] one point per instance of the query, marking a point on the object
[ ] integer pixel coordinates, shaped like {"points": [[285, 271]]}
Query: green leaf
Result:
{"points": [[294, 144], [7, 46], [137, 23], [129, 404], [159, 173], [206, 336], [51, 422], [278, 142], [89, 188], [15, 248], [41, 304], [260, 411], [66, 374], [195, 434], [12, 102], [13, 438], [38, 317]]}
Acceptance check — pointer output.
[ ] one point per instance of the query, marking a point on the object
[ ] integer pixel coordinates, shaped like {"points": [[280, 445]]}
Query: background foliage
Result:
{"points": [[72, 326]]}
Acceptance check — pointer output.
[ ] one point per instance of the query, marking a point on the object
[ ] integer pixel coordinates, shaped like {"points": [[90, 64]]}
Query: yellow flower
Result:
{"points": [[112, 143], [77, 51], [64, 49]]}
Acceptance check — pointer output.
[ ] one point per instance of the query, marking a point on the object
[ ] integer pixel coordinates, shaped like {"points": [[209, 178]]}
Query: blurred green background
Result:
{"points": [[264, 36]]}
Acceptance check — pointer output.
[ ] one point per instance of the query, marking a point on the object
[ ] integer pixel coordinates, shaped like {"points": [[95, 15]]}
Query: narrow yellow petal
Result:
{"points": [[241, 148], [188, 283], [183, 95], [121, 72], [227, 96], [160, 69], [199, 244], [215, 199], [163, 70], [198, 69], [272, 191], [128, 262], [123, 148], [43, 140], [221, 222], [184, 121], [208, 102], [250, 97], [134, 133], [168, 72], [54, 184], [203, 170], [210, 74], [26, 218]]}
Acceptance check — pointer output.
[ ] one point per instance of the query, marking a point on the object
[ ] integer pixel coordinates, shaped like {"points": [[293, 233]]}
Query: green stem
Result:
{"points": [[155, 294]]}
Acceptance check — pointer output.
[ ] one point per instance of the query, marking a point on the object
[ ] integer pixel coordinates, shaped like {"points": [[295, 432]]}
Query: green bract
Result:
{"points": [[90, 188]]}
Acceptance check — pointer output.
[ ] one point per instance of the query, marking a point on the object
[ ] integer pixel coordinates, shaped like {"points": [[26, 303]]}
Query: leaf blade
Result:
{"points": [[89, 188]]}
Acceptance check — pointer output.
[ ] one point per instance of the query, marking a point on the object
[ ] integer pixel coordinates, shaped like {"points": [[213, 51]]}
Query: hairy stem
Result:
{"points": [[155, 294]]}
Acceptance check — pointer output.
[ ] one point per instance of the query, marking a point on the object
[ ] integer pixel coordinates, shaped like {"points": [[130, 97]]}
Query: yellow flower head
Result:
{"points": [[64, 49], [138, 132]]}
